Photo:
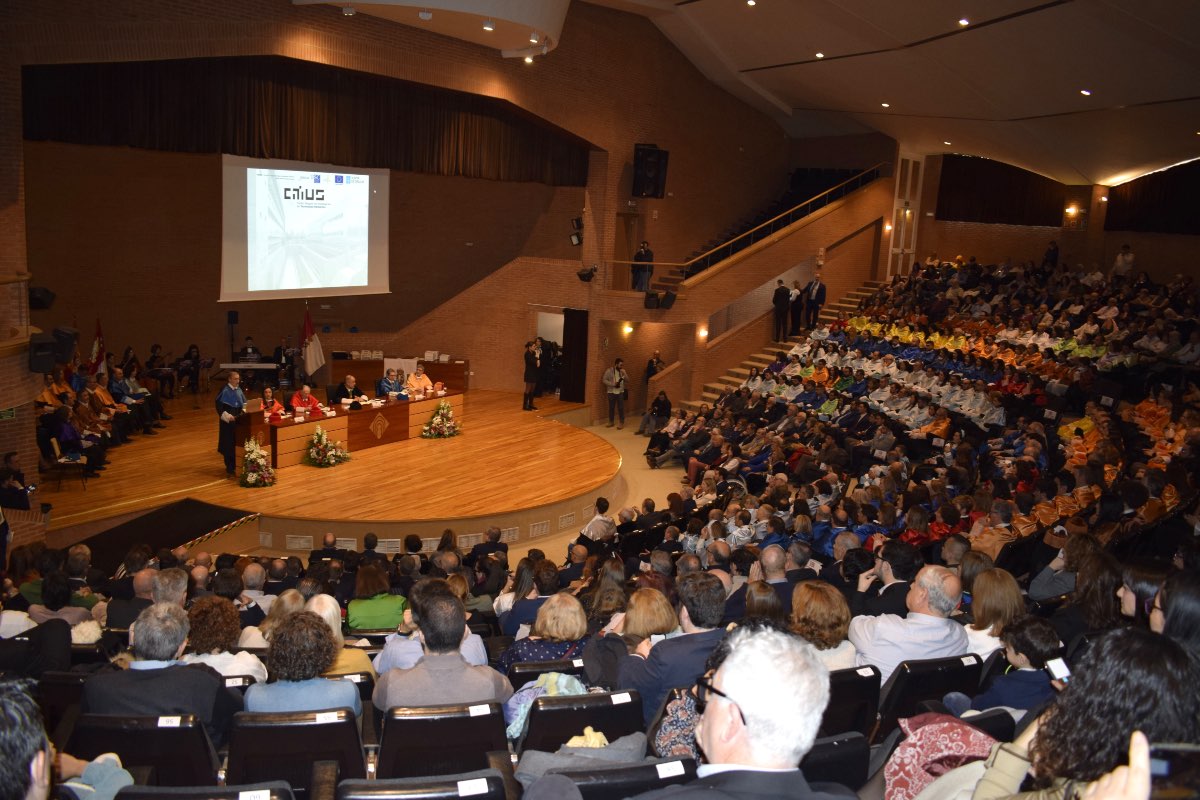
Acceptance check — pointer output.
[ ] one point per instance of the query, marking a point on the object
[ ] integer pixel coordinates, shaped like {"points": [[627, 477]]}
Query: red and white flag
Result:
{"points": [[310, 346], [96, 360]]}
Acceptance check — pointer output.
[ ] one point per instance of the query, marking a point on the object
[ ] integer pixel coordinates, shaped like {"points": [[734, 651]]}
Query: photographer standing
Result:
{"points": [[616, 383]]}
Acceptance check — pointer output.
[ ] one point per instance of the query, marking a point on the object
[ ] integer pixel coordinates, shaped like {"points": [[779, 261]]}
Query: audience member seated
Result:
{"points": [[158, 684], [213, 635], [925, 632], [441, 676], [896, 564], [653, 669], [402, 650], [302, 650], [1029, 642], [648, 615], [995, 601], [56, 602], [1093, 606], [524, 610], [349, 659], [559, 632], [491, 544], [373, 607], [259, 636], [119, 612], [821, 616]]}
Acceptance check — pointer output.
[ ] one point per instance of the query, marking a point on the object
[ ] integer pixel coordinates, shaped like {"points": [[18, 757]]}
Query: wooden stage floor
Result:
{"points": [[505, 460]]}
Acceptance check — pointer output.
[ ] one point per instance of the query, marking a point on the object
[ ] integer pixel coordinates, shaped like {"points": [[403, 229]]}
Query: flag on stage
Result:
{"points": [[96, 361], [310, 346]]}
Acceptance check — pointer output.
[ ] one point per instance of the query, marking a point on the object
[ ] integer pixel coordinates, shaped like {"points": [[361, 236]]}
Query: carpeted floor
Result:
{"points": [[169, 526]]}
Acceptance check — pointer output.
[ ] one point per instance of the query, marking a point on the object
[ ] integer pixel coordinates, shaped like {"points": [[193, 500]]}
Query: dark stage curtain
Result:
{"points": [[572, 376], [1161, 202], [982, 190], [273, 107]]}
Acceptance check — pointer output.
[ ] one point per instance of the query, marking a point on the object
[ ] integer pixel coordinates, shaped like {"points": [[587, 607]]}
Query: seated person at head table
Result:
{"points": [[270, 404], [390, 382], [348, 390], [418, 382], [304, 399]]}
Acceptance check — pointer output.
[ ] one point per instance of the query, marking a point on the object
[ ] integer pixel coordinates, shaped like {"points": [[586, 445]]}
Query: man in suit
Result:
{"points": [[814, 298], [491, 544], [655, 669], [770, 567], [896, 565], [781, 301], [328, 552], [121, 612], [157, 684], [759, 715], [369, 554], [573, 571], [348, 390]]}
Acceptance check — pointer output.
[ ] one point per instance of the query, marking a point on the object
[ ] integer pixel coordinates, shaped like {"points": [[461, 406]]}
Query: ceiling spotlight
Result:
{"points": [[528, 59], [534, 38], [1085, 92], [348, 11], [820, 55], [425, 15], [1103, 198], [964, 22], [750, 2], [886, 105], [946, 143], [488, 25]]}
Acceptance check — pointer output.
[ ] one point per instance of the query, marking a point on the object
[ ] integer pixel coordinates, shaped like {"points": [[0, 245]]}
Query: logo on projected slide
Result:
{"points": [[303, 194], [317, 178], [378, 426], [338, 178]]}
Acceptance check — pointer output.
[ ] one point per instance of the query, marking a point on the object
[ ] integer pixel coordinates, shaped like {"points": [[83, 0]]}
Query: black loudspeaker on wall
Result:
{"points": [[649, 171], [64, 344], [668, 299], [651, 300], [40, 298], [232, 317], [41, 353]]}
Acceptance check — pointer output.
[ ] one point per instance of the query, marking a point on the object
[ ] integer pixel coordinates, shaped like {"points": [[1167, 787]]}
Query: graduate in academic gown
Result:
{"points": [[230, 403]]}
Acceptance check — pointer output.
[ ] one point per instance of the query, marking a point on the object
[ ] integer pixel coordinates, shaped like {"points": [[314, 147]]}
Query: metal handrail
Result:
{"points": [[825, 198]]}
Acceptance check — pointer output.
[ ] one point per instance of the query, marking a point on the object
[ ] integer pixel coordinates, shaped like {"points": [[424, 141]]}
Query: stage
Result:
{"points": [[526, 471]]}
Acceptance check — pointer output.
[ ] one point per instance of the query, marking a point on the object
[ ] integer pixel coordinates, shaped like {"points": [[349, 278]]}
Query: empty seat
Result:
{"points": [[291, 746], [276, 790], [484, 785], [625, 781], [439, 740], [58, 693], [554, 720], [853, 701], [176, 747], [841, 759], [524, 672], [916, 681]]}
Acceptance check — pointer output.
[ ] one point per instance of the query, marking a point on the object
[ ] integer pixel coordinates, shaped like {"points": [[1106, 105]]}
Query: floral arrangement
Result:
{"points": [[256, 466], [323, 453], [442, 424]]}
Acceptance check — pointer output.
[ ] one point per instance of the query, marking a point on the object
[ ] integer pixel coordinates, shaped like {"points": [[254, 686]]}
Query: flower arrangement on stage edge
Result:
{"points": [[256, 466], [324, 453], [442, 424]]}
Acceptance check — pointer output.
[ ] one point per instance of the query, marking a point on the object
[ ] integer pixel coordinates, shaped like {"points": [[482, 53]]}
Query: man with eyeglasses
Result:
{"points": [[759, 715]]}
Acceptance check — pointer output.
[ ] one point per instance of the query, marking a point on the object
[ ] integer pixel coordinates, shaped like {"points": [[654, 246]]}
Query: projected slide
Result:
{"points": [[306, 230], [291, 229]]}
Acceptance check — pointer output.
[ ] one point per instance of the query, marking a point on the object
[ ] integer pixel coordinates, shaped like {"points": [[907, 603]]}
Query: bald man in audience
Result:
{"points": [[574, 570], [120, 613], [771, 568], [254, 577]]}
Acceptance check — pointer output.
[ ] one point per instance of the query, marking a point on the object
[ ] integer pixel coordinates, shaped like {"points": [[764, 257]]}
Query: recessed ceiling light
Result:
{"points": [[964, 22], [425, 15], [750, 2], [820, 55], [886, 105], [534, 38], [528, 59], [1086, 92], [488, 25], [946, 143]]}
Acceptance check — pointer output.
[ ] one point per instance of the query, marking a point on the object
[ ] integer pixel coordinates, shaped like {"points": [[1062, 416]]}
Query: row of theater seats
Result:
{"points": [[323, 754]]}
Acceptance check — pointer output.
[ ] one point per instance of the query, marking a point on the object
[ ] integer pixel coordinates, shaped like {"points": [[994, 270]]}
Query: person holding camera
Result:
{"points": [[616, 384]]}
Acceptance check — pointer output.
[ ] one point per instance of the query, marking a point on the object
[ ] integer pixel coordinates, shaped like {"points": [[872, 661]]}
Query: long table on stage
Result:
{"points": [[356, 429]]}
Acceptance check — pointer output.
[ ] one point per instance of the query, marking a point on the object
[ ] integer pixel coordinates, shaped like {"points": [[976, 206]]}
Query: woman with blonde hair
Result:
{"points": [[559, 632], [648, 613], [349, 659], [258, 636], [995, 602], [821, 615]]}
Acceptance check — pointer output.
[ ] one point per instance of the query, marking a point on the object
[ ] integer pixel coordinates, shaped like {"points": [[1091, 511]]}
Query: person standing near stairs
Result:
{"points": [[782, 302], [814, 298], [616, 385], [643, 267]]}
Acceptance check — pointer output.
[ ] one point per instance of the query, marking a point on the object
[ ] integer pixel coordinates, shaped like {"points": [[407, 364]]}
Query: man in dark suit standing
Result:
{"points": [[759, 715], [814, 298], [655, 669], [781, 301]]}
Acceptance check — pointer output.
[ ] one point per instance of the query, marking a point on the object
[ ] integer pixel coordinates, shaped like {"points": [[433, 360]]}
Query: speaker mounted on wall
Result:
{"points": [[668, 299], [40, 298], [41, 353], [65, 340], [651, 300], [649, 171]]}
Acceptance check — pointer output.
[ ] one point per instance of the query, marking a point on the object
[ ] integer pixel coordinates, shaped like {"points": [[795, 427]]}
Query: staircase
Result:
{"points": [[764, 357]]}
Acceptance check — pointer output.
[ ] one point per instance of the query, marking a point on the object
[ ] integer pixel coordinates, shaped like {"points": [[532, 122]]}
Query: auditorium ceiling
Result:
{"points": [[1009, 84]]}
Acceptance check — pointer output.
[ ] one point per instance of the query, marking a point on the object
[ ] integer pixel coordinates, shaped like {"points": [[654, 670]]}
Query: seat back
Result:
{"points": [[627, 781], [995, 666], [853, 701], [284, 746], [1017, 556], [365, 682], [177, 747], [57, 693], [239, 682], [275, 790], [524, 672], [554, 720], [439, 740], [916, 681], [841, 759], [487, 785], [995, 722]]}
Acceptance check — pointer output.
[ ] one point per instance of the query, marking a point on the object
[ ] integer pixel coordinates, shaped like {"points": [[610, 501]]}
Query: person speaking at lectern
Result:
{"points": [[231, 402]]}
